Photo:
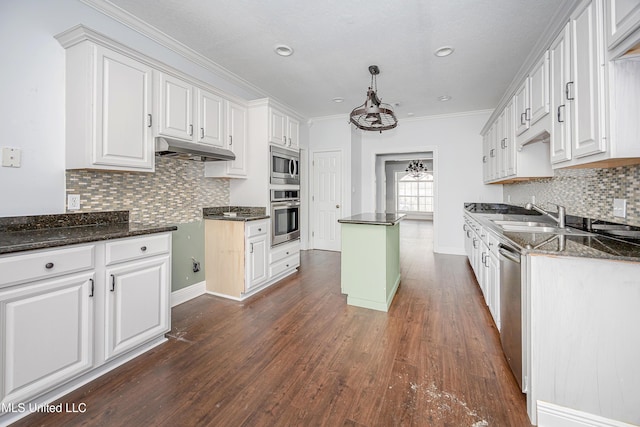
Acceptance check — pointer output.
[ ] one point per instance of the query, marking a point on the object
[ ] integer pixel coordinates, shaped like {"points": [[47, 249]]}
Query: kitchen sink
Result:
{"points": [[537, 227]]}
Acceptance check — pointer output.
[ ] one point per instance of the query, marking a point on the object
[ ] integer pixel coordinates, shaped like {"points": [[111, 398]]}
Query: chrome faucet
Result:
{"points": [[561, 214]]}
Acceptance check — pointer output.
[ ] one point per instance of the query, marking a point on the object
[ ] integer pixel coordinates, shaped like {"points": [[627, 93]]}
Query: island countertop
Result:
{"points": [[373, 219]]}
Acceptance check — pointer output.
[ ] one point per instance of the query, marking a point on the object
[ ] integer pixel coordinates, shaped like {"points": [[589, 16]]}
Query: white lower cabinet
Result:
{"points": [[68, 313], [481, 247], [256, 260], [47, 334], [284, 258], [137, 306]]}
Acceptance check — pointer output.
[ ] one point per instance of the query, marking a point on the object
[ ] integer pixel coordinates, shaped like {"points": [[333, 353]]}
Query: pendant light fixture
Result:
{"points": [[373, 115], [416, 169]]}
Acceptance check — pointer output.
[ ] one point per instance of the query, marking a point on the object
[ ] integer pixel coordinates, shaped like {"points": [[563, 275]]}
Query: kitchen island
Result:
{"points": [[370, 270]]}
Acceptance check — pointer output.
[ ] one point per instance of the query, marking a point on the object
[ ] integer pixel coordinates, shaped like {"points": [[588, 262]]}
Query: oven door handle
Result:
{"points": [[295, 168], [293, 204]]}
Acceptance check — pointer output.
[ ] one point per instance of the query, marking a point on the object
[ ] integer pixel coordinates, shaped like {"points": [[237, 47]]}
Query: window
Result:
{"points": [[415, 194]]}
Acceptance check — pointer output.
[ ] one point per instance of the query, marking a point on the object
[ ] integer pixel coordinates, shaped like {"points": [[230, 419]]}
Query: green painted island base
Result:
{"points": [[370, 271]]}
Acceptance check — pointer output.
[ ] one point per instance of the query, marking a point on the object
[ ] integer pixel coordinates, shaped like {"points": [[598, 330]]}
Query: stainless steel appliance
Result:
{"points": [[168, 147], [285, 166], [282, 195], [511, 308], [285, 221]]}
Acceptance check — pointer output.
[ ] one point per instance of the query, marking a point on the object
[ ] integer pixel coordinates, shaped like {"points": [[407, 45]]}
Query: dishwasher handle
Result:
{"points": [[509, 253]]}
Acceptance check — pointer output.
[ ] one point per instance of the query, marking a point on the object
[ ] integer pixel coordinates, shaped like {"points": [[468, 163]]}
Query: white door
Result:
{"points": [[326, 200]]}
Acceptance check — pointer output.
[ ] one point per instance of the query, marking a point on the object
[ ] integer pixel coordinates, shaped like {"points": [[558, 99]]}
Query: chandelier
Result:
{"points": [[416, 168], [373, 114]]}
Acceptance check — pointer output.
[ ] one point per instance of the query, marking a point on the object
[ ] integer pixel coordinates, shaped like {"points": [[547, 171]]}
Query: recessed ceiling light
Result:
{"points": [[410, 114], [338, 99], [444, 98], [283, 50], [444, 51]]}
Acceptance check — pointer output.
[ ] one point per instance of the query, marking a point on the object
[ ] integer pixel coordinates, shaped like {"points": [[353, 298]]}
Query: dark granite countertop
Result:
{"points": [[25, 233], [595, 244], [238, 217], [373, 219]]}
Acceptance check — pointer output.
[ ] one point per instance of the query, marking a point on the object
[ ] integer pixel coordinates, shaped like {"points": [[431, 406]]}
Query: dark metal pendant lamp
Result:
{"points": [[374, 115], [416, 168]]}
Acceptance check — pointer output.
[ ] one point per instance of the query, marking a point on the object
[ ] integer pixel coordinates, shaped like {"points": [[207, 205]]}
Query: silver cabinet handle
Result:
{"points": [[113, 283], [503, 143], [559, 107], [522, 118], [92, 288], [492, 152], [251, 248], [285, 139], [149, 120], [484, 159], [469, 233], [482, 256], [190, 130], [201, 133], [567, 91], [474, 243], [230, 140], [49, 265], [527, 114]]}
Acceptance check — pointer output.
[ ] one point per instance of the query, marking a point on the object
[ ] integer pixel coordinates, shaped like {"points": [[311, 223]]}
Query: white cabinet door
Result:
{"points": [[137, 304], [277, 127], [522, 107], [509, 147], [123, 134], [210, 119], [585, 85], [559, 66], [176, 108], [46, 335], [493, 268], [293, 133], [237, 140], [539, 90], [486, 167], [256, 258], [622, 17]]}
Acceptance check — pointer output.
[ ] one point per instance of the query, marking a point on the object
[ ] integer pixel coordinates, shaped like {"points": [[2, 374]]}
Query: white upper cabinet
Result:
{"points": [[190, 113], [176, 108], [108, 110], [622, 17], [283, 129], [585, 89], [560, 146], [523, 111], [210, 119], [236, 140], [539, 90]]}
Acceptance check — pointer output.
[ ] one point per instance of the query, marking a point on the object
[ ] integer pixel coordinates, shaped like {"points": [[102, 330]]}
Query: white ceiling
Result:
{"points": [[335, 41]]}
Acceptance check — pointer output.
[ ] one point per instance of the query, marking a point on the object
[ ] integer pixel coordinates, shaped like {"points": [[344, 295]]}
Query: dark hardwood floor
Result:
{"points": [[296, 354]]}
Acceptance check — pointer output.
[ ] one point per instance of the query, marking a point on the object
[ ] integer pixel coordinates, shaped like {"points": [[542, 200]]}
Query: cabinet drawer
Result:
{"points": [[283, 251], [284, 265], [256, 228], [493, 243], [137, 247], [38, 265]]}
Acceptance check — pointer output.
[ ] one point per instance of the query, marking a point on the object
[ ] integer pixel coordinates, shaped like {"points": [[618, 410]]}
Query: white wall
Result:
{"points": [[32, 88], [457, 146]]}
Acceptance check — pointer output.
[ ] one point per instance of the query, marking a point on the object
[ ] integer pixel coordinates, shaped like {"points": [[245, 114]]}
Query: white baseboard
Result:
{"points": [[550, 415], [448, 250], [185, 294]]}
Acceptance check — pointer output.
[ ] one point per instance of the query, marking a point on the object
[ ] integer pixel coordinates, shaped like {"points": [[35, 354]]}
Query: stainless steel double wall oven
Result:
{"points": [[285, 195]]}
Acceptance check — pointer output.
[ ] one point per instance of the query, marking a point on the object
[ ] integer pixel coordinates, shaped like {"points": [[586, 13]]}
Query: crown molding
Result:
{"points": [[127, 19]]}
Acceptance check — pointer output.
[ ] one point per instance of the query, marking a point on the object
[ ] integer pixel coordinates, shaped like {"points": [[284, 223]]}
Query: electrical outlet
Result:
{"points": [[73, 202], [196, 266], [620, 208]]}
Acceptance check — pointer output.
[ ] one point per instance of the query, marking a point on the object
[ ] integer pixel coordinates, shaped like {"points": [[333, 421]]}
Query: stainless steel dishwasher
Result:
{"points": [[511, 308]]}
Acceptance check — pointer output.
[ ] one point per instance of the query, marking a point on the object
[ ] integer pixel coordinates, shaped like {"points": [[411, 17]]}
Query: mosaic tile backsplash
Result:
{"points": [[584, 192], [175, 193]]}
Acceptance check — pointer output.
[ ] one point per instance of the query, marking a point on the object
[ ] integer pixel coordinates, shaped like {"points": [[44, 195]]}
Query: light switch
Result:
{"points": [[11, 157], [620, 208], [73, 202]]}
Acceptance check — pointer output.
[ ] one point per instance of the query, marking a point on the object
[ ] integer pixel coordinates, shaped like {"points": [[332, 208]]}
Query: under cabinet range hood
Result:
{"points": [[167, 147]]}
